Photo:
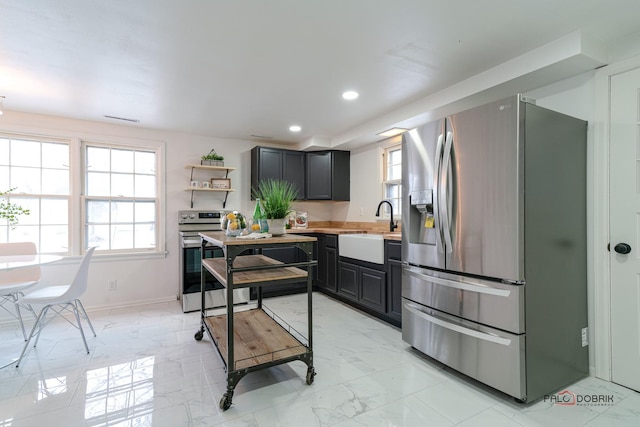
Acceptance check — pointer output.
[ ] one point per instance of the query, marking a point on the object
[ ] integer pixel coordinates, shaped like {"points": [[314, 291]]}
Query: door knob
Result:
{"points": [[622, 248]]}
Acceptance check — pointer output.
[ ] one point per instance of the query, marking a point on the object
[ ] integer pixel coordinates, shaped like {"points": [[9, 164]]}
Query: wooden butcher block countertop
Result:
{"points": [[331, 227]]}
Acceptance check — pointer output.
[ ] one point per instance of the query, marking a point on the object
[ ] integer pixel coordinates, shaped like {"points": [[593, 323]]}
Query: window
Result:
{"points": [[83, 194], [392, 178], [121, 201], [38, 171]]}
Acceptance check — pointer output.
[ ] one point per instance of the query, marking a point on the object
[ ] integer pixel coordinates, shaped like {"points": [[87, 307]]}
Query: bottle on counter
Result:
{"points": [[258, 217]]}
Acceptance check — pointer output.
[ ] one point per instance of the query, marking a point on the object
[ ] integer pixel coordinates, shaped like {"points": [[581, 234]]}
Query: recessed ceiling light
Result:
{"points": [[350, 95], [393, 132], [295, 128]]}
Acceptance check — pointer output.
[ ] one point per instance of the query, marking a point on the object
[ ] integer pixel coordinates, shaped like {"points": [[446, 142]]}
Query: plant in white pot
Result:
{"points": [[276, 199]]}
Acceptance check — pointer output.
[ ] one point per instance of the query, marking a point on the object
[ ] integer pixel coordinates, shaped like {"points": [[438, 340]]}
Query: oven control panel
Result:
{"points": [[200, 217]]}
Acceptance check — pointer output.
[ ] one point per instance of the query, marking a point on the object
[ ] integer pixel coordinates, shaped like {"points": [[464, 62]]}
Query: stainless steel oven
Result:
{"points": [[190, 224]]}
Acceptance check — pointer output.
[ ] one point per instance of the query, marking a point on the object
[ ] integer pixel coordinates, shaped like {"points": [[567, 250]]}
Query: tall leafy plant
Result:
{"points": [[10, 211], [276, 197]]}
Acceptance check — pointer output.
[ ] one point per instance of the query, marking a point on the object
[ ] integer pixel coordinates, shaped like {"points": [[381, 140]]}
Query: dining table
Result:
{"points": [[11, 262]]}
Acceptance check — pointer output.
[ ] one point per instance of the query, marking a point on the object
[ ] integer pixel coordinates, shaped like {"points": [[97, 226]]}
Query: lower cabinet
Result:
{"points": [[326, 278], [286, 255], [370, 287], [364, 283], [394, 280]]}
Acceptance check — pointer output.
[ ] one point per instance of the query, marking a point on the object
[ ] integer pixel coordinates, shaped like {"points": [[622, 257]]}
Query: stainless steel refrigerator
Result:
{"points": [[494, 280]]}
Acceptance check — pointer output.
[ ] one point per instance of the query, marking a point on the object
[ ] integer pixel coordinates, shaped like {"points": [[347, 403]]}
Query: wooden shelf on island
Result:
{"points": [[257, 339], [218, 267]]}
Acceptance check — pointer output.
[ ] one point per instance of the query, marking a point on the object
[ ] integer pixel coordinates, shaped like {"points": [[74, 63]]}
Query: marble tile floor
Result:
{"points": [[146, 369]]}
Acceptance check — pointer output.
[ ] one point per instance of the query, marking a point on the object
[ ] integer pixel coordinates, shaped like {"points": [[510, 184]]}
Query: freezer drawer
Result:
{"points": [[488, 355], [491, 303]]}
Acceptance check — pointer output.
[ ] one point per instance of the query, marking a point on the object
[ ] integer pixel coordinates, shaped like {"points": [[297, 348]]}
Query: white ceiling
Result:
{"points": [[238, 68]]}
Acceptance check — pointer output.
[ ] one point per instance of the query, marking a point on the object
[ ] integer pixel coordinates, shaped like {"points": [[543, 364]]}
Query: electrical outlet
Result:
{"points": [[585, 337], [361, 211], [113, 285]]}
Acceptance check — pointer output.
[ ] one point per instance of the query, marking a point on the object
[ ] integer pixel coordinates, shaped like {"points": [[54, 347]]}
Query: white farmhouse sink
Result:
{"points": [[365, 247]]}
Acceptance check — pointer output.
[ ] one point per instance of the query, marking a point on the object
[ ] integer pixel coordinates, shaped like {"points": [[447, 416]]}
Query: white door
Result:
{"points": [[625, 228]]}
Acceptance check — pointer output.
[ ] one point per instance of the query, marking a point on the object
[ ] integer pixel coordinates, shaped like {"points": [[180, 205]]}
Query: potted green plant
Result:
{"points": [[212, 159], [10, 211], [276, 199]]}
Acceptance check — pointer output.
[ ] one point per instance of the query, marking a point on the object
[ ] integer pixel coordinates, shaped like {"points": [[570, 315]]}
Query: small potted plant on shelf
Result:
{"points": [[212, 159], [276, 199]]}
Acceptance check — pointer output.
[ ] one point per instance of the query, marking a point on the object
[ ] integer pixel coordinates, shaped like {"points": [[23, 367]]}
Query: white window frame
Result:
{"points": [[18, 194], [116, 143], [396, 144]]}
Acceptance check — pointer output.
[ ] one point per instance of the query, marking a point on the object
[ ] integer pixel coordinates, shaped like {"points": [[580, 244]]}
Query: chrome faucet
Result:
{"points": [[392, 225]]}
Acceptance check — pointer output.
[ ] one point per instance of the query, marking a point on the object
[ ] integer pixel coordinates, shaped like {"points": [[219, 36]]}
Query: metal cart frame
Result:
{"points": [[256, 271]]}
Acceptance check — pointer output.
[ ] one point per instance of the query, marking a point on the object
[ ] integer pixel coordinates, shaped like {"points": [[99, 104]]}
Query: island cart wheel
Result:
{"points": [[198, 336], [310, 374], [225, 402]]}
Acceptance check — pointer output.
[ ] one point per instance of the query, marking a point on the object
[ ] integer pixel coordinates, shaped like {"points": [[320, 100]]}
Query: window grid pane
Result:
{"points": [[39, 172], [392, 184], [121, 204]]}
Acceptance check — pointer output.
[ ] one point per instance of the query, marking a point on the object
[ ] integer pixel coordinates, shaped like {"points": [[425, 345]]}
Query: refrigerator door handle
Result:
{"points": [[459, 285], [445, 192], [437, 218], [457, 328]]}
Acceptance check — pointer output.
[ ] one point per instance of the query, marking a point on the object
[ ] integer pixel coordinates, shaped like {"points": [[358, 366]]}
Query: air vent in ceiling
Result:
{"points": [[123, 118]]}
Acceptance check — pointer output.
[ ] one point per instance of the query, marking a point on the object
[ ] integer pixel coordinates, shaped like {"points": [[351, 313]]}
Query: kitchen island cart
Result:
{"points": [[251, 337]]}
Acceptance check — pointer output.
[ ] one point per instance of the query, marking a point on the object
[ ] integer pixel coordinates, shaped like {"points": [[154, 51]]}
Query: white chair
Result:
{"points": [[14, 282], [60, 299]]}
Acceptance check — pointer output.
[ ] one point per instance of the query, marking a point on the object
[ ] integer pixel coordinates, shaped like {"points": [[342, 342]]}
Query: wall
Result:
{"points": [[143, 279]]}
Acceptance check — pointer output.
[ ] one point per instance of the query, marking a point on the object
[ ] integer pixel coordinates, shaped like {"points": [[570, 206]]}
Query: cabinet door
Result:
{"points": [[319, 176], [288, 254], [265, 163], [270, 164], [372, 289], [394, 289], [348, 280], [340, 175], [293, 170], [332, 268], [321, 276]]}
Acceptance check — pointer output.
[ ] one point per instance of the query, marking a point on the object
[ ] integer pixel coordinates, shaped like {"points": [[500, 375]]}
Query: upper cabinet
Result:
{"points": [[328, 176], [276, 163], [318, 175]]}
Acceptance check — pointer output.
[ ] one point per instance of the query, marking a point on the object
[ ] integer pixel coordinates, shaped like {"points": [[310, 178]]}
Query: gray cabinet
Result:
{"points": [[318, 175], [328, 176], [348, 280], [394, 280], [286, 255], [327, 275], [364, 283], [276, 163], [374, 288]]}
